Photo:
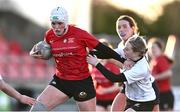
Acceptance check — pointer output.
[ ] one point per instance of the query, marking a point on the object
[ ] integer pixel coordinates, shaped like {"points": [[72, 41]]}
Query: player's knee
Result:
{"points": [[39, 107]]}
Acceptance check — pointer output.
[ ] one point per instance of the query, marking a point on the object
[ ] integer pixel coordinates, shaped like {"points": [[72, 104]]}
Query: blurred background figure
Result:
{"points": [[161, 66], [10, 91], [16, 68], [105, 90]]}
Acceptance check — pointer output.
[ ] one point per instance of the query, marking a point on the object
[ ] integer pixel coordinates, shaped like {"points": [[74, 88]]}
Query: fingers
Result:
{"points": [[35, 54], [89, 55], [28, 100], [32, 53], [32, 102]]}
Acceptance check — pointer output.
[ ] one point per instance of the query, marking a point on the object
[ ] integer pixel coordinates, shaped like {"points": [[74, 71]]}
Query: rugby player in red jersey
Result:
{"points": [[72, 78], [162, 74]]}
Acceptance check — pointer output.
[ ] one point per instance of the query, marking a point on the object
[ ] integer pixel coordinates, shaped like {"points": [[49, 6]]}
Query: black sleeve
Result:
{"points": [[109, 75], [99, 54], [104, 52]]}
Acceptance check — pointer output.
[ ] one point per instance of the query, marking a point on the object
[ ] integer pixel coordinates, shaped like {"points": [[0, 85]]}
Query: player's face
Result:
{"points": [[155, 50], [58, 28], [124, 30], [129, 53]]}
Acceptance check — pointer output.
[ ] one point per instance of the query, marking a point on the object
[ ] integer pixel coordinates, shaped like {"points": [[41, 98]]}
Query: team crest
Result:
{"points": [[55, 18], [65, 40], [82, 94]]}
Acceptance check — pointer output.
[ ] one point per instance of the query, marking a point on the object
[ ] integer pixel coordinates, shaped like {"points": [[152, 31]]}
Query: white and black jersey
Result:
{"points": [[141, 66], [138, 84], [141, 89]]}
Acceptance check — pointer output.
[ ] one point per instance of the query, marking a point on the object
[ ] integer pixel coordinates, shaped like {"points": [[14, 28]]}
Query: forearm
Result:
{"points": [[113, 88], [10, 91], [163, 75], [109, 75], [117, 63], [104, 52]]}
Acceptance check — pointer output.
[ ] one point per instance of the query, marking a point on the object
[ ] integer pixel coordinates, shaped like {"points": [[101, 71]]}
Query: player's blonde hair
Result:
{"points": [[138, 44]]}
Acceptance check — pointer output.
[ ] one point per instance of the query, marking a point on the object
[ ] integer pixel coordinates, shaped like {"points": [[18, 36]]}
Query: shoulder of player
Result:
{"points": [[76, 30], [49, 32], [141, 64], [162, 58]]}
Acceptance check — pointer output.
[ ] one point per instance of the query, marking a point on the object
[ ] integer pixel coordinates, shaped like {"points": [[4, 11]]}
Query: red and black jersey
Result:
{"points": [[69, 52], [102, 81], [160, 65]]}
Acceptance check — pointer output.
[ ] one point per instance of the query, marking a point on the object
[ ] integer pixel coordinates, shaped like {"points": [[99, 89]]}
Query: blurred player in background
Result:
{"points": [[105, 90], [161, 67], [9, 90], [72, 78]]}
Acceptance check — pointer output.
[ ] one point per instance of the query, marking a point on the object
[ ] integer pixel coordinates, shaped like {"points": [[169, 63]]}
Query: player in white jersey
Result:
{"points": [[6, 88], [126, 27], [139, 91]]}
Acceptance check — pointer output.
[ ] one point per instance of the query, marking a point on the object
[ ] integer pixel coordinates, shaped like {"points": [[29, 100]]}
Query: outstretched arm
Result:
{"points": [[6, 88], [104, 52], [108, 74], [163, 75]]}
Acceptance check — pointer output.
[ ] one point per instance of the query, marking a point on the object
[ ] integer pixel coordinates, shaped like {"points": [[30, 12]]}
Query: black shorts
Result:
{"points": [[140, 106], [104, 103], [80, 90], [166, 100]]}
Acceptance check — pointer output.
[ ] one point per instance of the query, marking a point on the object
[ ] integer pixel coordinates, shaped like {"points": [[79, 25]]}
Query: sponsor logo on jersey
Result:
{"points": [[68, 40], [63, 54]]}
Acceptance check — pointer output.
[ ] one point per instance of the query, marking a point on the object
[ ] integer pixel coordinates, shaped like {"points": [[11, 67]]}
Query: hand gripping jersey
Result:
{"points": [[69, 52]]}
